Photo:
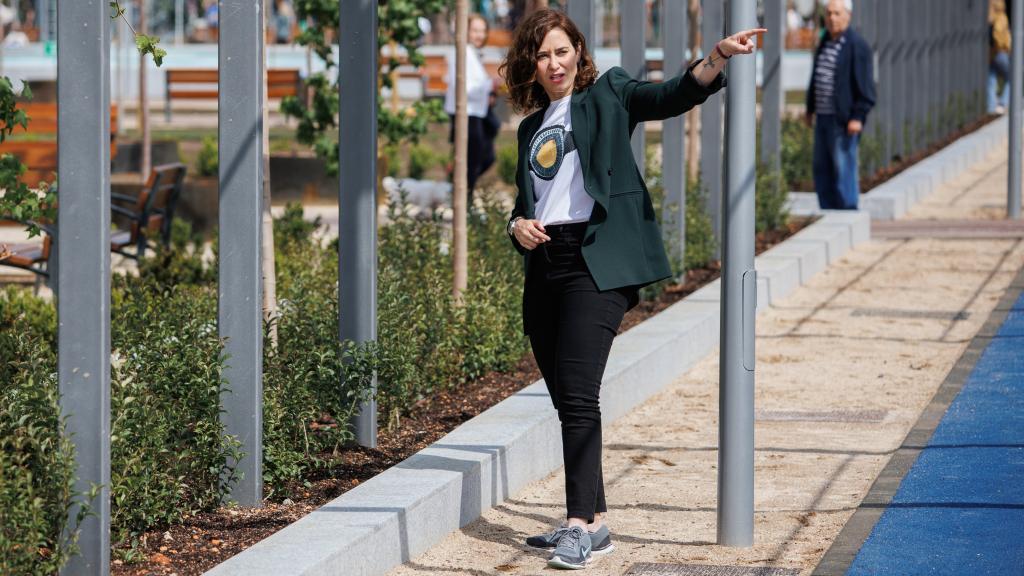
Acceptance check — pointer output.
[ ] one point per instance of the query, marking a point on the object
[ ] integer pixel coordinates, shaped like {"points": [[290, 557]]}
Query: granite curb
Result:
{"points": [[891, 199]]}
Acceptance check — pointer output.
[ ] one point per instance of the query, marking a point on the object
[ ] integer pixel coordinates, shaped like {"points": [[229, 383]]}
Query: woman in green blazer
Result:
{"points": [[584, 222]]}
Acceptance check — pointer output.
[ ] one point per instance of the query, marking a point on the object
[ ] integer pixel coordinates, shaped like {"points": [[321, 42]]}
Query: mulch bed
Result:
{"points": [[207, 539]]}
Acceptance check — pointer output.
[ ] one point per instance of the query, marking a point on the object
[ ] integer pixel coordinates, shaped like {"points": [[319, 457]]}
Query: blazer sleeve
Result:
{"points": [[658, 101], [519, 208], [863, 84]]}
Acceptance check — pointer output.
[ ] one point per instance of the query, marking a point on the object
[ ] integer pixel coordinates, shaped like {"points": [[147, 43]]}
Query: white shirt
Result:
{"points": [[478, 85], [557, 177]]}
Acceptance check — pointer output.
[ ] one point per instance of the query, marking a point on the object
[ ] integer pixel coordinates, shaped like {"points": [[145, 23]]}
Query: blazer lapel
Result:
{"points": [[524, 162], [581, 115]]}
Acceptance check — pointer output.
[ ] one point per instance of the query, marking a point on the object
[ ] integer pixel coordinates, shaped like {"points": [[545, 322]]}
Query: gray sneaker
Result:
{"points": [[547, 541], [573, 550], [601, 540]]}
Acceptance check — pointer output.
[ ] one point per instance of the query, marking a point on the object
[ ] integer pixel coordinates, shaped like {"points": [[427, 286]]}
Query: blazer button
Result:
{"points": [[609, 171]]}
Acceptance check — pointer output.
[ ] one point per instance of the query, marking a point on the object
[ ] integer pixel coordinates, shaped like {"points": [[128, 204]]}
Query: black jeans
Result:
{"points": [[571, 328]]}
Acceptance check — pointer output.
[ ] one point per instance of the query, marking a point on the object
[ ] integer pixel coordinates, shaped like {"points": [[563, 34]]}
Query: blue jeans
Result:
{"points": [[998, 68], [835, 164]]}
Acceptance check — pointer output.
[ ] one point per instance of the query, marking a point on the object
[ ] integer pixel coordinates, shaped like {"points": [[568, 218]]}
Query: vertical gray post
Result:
{"points": [[179, 21], [240, 314], [357, 257], [83, 249], [1016, 84], [582, 13], [711, 28], [673, 135], [739, 293], [632, 40], [771, 83]]}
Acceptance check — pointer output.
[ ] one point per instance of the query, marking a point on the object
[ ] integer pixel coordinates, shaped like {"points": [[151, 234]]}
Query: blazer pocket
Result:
{"points": [[625, 193]]}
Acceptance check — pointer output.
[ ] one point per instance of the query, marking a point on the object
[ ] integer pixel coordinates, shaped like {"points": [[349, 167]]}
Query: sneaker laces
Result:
{"points": [[575, 535]]}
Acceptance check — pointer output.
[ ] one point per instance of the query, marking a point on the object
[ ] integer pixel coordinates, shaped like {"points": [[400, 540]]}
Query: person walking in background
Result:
{"points": [[841, 94], [584, 223], [999, 56], [479, 99]]}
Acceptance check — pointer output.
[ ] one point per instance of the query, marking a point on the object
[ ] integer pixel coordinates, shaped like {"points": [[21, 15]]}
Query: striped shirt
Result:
{"points": [[825, 75]]}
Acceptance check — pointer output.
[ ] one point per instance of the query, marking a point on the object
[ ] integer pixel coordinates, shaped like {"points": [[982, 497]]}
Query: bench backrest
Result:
{"points": [[281, 82]]}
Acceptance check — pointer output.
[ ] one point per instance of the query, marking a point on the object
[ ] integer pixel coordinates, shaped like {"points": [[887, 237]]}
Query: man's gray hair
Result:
{"points": [[848, 4]]}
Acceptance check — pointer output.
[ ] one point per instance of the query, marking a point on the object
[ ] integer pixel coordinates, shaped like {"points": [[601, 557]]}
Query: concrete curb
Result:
{"points": [[893, 198], [405, 510]]}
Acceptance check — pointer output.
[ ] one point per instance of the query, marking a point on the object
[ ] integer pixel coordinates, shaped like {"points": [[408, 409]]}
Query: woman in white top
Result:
{"points": [[483, 124]]}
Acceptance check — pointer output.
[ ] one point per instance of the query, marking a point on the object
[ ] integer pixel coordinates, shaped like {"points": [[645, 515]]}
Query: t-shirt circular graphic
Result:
{"points": [[555, 169]]}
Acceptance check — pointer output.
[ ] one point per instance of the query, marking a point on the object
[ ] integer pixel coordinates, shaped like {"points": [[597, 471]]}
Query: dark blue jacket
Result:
{"points": [[854, 91]]}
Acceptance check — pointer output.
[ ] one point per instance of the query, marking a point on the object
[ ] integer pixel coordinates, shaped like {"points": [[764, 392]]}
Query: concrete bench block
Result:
{"points": [[779, 275]]}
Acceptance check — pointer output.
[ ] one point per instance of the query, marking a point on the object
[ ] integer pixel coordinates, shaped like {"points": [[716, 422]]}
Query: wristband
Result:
{"points": [[720, 53]]}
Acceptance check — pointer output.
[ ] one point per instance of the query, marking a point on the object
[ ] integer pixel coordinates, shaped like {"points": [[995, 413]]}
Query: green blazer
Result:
{"points": [[622, 245]]}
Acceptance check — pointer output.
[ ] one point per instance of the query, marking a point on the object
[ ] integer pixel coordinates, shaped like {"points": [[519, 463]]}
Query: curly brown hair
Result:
{"points": [[519, 69]]}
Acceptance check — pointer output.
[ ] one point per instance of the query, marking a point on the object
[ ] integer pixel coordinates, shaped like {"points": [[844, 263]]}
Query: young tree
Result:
{"points": [[460, 241]]}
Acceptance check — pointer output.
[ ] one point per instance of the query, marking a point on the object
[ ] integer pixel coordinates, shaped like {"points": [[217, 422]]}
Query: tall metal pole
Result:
{"points": [[83, 279], [771, 84], [240, 310], [673, 135], [357, 266], [179, 21], [632, 40], [739, 292], [711, 28], [582, 13], [1016, 84]]}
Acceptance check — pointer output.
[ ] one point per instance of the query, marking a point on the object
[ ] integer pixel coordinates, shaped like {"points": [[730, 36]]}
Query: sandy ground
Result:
{"points": [[871, 337]]}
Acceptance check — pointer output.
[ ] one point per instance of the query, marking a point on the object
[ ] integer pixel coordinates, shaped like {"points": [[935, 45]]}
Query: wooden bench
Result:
{"points": [[201, 84], [40, 156], [149, 214]]}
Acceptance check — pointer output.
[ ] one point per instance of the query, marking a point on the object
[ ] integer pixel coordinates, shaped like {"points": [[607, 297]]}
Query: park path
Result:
{"points": [[845, 366]]}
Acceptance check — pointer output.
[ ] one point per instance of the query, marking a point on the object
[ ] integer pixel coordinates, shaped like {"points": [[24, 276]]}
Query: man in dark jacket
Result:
{"points": [[841, 94]]}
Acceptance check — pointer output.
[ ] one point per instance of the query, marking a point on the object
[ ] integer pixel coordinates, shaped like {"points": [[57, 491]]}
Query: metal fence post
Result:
{"points": [[739, 293], [711, 29], [1016, 84], [772, 95], [357, 194], [632, 41], [240, 314], [581, 12], [673, 135], [83, 278]]}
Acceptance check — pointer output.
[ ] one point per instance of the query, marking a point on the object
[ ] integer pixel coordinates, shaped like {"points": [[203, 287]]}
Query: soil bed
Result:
{"points": [[207, 539]]}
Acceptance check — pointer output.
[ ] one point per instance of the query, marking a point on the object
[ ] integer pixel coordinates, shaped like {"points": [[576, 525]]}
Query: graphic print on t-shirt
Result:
{"points": [[548, 148]]}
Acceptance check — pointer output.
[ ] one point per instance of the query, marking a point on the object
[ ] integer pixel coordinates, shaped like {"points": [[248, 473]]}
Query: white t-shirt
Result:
{"points": [[557, 177], [478, 85]]}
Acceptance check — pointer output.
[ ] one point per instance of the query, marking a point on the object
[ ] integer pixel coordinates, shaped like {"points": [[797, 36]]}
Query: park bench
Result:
{"points": [[201, 84], [40, 155], [148, 215]]}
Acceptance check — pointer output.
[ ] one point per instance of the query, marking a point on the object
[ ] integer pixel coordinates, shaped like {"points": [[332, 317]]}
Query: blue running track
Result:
{"points": [[960, 508]]}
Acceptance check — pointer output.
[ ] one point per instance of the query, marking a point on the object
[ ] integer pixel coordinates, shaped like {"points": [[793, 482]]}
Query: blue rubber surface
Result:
{"points": [[960, 508]]}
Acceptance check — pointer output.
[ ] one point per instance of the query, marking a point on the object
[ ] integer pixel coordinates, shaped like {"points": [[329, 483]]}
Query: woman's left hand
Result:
{"points": [[740, 42]]}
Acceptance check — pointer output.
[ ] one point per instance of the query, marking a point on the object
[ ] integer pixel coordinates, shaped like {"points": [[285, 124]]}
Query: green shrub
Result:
{"points": [[421, 159], [770, 211], [797, 154], [508, 161], [393, 160], [207, 162], [37, 466], [700, 233]]}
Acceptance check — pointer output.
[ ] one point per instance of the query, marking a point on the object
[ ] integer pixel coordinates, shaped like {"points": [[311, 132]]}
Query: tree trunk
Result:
{"points": [[267, 236], [693, 120], [459, 241], [147, 158]]}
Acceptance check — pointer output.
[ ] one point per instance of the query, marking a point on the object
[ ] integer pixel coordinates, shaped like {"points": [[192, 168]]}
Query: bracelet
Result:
{"points": [[720, 53], [512, 224]]}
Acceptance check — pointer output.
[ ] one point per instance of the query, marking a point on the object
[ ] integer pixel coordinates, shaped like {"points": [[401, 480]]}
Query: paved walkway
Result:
{"points": [[845, 367]]}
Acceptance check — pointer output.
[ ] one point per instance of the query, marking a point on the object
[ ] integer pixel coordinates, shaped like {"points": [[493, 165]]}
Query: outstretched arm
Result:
{"points": [[714, 63]]}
